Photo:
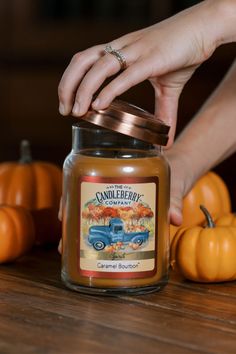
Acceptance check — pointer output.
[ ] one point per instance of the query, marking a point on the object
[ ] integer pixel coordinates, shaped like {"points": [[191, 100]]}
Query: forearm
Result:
{"points": [[211, 136], [222, 29]]}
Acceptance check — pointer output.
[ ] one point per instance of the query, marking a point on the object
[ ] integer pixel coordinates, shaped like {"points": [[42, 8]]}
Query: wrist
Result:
{"points": [[181, 167], [223, 13]]}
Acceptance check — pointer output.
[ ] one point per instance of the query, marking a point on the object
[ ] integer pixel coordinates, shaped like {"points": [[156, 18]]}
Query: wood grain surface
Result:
{"points": [[39, 315]]}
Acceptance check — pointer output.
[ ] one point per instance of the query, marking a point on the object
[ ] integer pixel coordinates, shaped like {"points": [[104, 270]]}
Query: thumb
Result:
{"points": [[60, 247], [166, 108], [178, 185], [176, 204]]}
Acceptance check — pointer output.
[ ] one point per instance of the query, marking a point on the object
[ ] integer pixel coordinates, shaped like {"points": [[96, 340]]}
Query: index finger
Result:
{"points": [[74, 73]]}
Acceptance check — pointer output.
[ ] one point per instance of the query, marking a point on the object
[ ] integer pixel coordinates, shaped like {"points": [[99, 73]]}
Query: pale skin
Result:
{"points": [[166, 54], [206, 141]]}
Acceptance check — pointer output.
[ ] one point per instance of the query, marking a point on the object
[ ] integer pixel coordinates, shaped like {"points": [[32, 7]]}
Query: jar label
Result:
{"points": [[117, 227]]}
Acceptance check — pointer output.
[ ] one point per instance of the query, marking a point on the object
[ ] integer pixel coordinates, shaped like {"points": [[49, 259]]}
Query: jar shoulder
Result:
{"points": [[143, 166]]}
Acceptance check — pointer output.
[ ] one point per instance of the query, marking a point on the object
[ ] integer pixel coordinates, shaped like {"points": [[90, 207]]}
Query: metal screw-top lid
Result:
{"points": [[130, 120]]}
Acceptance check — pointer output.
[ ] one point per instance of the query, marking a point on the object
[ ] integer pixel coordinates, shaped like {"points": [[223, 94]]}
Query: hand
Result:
{"points": [[182, 181], [60, 218], [166, 54]]}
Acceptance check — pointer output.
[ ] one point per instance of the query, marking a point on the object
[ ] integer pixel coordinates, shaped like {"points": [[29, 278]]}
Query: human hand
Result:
{"points": [[166, 54], [60, 218], [182, 180]]}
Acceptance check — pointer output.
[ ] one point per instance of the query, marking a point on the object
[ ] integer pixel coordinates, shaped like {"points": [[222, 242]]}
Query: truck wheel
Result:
{"points": [[139, 241], [99, 245]]}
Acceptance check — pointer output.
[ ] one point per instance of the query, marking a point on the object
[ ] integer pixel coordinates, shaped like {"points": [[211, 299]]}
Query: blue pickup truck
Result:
{"points": [[101, 236]]}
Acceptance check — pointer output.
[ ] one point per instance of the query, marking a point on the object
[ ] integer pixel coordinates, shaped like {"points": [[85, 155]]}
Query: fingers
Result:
{"points": [[79, 65], [60, 218], [176, 217], [60, 210], [60, 247], [179, 181], [105, 67], [133, 75], [166, 107], [87, 72]]}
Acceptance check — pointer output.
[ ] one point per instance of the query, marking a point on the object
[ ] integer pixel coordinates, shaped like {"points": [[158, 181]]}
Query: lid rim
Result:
{"points": [[150, 123], [127, 129], [143, 127]]}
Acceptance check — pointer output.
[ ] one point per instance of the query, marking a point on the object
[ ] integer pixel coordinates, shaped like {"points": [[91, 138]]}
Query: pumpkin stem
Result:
{"points": [[210, 222], [25, 152]]}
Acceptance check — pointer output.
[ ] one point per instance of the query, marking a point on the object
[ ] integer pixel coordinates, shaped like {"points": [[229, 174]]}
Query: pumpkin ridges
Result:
{"points": [[22, 224], [205, 259], [5, 179], [173, 248], [58, 182], [225, 200], [210, 259], [6, 244], [18, 244], [16, 232], [213, 191], [185, 252], [44, 183], [189, 200], [43, 179], [172, 232], [20, 187], [210, 270], [227, 220], [209, 190], [16, 221], [228, 258], [192, 200], [48, 195], [22, 177], [209, 194]]}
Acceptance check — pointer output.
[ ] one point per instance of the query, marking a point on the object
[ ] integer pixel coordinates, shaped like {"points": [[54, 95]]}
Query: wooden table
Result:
{"points": [[38, 315]]}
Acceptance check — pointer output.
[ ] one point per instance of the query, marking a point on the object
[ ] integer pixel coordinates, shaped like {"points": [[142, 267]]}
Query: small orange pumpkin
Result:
{"points": [[227, 220], [205, 254], [210, 191], [17, 234], [35, 186], [173, 232]]}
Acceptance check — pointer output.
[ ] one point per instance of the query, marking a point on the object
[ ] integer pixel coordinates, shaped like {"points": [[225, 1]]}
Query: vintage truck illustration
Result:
{"points": [[101, 236]]}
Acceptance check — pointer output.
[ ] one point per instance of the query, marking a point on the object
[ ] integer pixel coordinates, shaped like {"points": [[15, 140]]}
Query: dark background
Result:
{"points": [[38, 39]]}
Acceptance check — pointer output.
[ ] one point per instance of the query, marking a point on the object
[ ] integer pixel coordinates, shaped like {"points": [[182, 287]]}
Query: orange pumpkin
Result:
{"points": [[210, 191], [35, 186], [173, 232], [17, 234], [227, 220], [205, 254]]}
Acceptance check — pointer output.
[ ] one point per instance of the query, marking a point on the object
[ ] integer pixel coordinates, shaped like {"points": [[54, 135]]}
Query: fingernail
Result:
{"points": [[62, 109], [76, 109], [96, 103]]}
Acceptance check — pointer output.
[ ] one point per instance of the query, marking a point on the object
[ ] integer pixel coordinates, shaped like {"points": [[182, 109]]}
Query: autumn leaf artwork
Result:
{"points": [[137, 217], [136, 214]]}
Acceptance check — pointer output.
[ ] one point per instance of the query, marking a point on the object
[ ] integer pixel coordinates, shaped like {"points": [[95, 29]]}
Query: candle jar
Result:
{"points": [[115, 203]]}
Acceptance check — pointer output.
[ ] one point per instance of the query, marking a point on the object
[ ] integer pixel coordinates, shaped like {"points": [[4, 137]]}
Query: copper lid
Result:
{"points": [[131, 120]]}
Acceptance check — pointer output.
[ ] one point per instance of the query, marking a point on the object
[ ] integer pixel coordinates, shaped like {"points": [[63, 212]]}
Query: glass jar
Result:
{"points": [[115, 208]]}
